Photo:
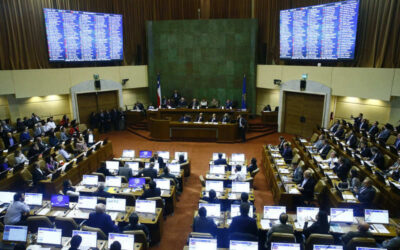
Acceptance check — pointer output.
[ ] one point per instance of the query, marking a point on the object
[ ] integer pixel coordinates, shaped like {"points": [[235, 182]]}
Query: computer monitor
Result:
{"points": [[156, 166], [369, 248], [164, 184], [327, 247], [134, 166], [235, 210], [200, 244], [237, 157], [6, 197], [273, 212], [127, 240], [243, 169], [376, 216], [34, 199], [89, 239], [185, 155], [342, 215], [128, 153], [90, 180], [113, 181], [306, 213], [145, 206], [241, 245], [113, 204], [49, 236], [137, 182], [215, 156], [163, 154], [218, 186], [113, 166], [217, 169], [285, 246], [213, 210], [240, 187], [15, 233], [87, 202], [58, 200], [145, 154], [174, 168]]}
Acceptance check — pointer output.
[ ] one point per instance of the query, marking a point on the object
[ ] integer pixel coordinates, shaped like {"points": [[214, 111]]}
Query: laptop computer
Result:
{"points": [[215, 156], [200, 243], [217, 186], [369, 248], [213, 210], [177, 154], [163, 184], [113, 204], [89, 239], [174, 168], [240, 187], [6, 197], [90, 180], [127, 241], [235, 210], [238, 157], [112, 166], [137, 182], [327, 247], [273, 212], [87, 202], [145, 206], [145, 154], [15, 234], [113, 181], [128, 153], [58, 200], [134, 166], [156, 166], [285, 246], [240, 245], [376, 216], [345, 215], [34, 199], [306, 213], [163, 154], [217, 169], [49, 236]]}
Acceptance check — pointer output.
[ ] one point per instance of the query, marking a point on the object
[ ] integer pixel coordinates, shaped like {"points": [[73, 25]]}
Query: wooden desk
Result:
{"points": [[269, 118], [176, 114], [133, 117]]}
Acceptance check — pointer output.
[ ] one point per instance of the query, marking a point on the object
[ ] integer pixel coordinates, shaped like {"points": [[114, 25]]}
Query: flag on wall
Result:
{"points": [[244, 93], [158, 91]]}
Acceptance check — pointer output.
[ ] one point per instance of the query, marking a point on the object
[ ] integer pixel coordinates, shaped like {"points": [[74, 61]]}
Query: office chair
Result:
{"points": [[102, 177], [100, 234], [140, 237], [67, 225], [34, 222], [318, 239], [360, 242], [200, 235]]}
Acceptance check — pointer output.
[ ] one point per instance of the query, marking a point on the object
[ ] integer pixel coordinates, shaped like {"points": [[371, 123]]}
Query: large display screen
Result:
{"points": [[76, 36], [320, 32]]}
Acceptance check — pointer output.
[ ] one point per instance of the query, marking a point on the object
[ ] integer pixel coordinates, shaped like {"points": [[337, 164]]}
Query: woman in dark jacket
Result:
{"points": [[321, 226]]}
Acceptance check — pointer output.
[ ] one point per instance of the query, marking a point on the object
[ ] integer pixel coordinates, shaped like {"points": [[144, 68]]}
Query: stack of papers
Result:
{"points": [[380, 228], [336, 228], [348, 197]]}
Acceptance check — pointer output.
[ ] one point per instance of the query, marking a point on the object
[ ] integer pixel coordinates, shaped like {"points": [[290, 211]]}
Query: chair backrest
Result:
{"points": [[59, 158], [200, 235], [159, 201], [100, 234], [360, 242], [387, 161], [102, 177], [34, 222], [377, 197], [42, 164], [320, 187], [301, 164], [140, 237], [296, 158], [203, 183], [26, 175], [243, 237], [391, 140], [147, 179], [67, 225], [318, 239], [11, 159], [314, 137], [283, 237]]}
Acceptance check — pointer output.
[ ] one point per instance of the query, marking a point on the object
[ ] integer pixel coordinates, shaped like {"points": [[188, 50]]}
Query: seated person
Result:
{"points": [[395, 170], [354, 181], [396, 144], [214, 103], [228, 104], [41, 144], [318, 144], [363, 228], [53, 140], [63, 134], [385, 133], [152, 191], [323, 152], [135, 225], [182, 159], [125, 171], [20, 125], [204, 224], [366, 193], [80, 144], [62, 151], [342, 169], [287, 153], [24, 136], [203, 103], [157, 158], [339, 132], [365, 151], [377, 158], [267, 108], [220, 161], [351, 140], [252, 166], [101, 220], [334, 127], [332, 160], [182, 103], [151, 106], [38, 131], [168, 175], [101, 193], [138, 106], [243, 224], [10, 140], [76, 241], [374, 129], [282, 227], [200, 118], [282, 142], [68, 189], [212, 197], [194, 104], [244, 198], [51, 164], [34, 150], [214, 118], [363, 125], [297, 173], [149, 172], [306, 187], [103, 169], [321, 226], [37, 174], [4, 164], [176, 96], [19, 157], [237, 174], [17, 211], [89, 138], [115, 246], [185, 118], [394, 243], [64, 121], [225, 118]]}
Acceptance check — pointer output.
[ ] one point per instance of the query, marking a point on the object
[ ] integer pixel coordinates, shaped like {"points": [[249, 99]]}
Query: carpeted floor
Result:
{"points": [[177, 227]]}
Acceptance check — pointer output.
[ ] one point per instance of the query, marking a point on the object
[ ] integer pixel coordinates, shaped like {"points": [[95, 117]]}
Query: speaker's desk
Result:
{"points": [[175, 114]]}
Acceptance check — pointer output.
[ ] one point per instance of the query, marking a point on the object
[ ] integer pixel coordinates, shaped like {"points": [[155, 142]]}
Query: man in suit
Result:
{"points": [[298, 173], [252, 166], [363, 228], [37, 174], [214, 103], [228, 104], [287, 153], [10, 140], [149, 172], [385, 133], [282, 141], [351, 140], [225, 118], [176, 97], [377, 158], [204, 224], [101, 220], [306, 187], [374, 129], [220, 161], [158, 159], [152, 191], [331, 160], [194, 104], [363, 125], [103, 169], [394, 243], [397, 142], [135, 225], [365, 151], [125, 171], [138, 106], [366, 193], [200, 118], [212, 197], [242, 127], [214, 118], [185, 118], [357, 120], [101, 193], [318, 144], [182, 103], [335, 126], [342, 169], [339, 132], [282, 227], [167, 174], [243, 224], [324, 149]]}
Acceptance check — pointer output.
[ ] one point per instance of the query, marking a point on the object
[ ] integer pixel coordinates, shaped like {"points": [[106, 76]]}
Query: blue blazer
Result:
{"points": [[287, 154], [243, 224], [102, 221]]}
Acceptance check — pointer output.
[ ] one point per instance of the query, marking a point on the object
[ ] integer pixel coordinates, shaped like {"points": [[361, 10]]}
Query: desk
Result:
{"points": [[133, 117], [176, 114], [269, 118]]}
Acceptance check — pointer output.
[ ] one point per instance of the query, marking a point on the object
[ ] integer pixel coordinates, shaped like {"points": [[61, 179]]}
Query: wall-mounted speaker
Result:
{"points": [[97, 84], [303, 85]]}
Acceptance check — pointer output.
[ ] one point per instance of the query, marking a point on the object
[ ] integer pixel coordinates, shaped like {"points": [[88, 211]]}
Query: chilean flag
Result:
{"points": [[158, 91]]}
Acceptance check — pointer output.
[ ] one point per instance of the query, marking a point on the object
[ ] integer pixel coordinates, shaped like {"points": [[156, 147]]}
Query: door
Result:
{"points": [[303, 112], [94, 102]]}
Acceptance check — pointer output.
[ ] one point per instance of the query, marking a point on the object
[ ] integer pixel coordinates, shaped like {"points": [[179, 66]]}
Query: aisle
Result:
{"points": [[177, 227]]}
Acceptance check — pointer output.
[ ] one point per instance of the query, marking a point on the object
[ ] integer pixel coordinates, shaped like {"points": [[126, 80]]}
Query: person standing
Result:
{"points": [[242, 127]]}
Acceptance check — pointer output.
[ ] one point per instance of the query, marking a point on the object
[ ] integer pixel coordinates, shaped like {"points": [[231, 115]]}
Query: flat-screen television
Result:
{"points": [[320, 32], [77, 36]]}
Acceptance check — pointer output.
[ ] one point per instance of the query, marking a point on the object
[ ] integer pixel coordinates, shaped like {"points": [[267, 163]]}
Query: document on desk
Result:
{"points": [[318, 158], [294, 190], [276, 155], [381, 228], [44, 211], [284, 171], [303, 140], [58, 214], [113, 215], [348, 197], [265, 224], [336, 228]]}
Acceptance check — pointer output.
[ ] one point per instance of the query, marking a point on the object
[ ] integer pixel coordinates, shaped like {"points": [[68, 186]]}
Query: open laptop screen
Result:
{"points": [[15, 233], [238, 158], [127, 240], [113, 204], [58, 200], [215, 156], [241, 245], [145, 206], [177, 154], [89, 239], [273, 212], [163, 154], [164, 184], [113, 181], [218, 186], [306, 213], [145, 154], [51, 236], [342, 215], [133, 165], [128, 153], [376, 216], [285, 246], [33, 199], [240, 187], [113, 166], [137, 182], [6, 197], [87, 202], [174, 168], [235, 210], [90, 180], [217, 169], [213, 210], [201, 244], [327, 247]]}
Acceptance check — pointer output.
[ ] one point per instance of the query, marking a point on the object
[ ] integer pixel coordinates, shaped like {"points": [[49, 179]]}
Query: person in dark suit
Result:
{"points": [[342, 169], [167, 174], [366, 193], [212, 197], [373, 129], [306, 187], [4, 166], [214, 118], [377, 158], [318, 144], [282, 142], [267, 108], [297, 173], [101, 220], [185, 118], [225, 118], [252, 166], [228, 104], [335, 126], [282, 227], [37, 174], [385, 133], [125, 171], [351, 140], [194, 104], [10, 140], [363, 125], [149, 172], [101, 193], [204, 224], [138, 106], [152, 191], [243, 224], [220, 161], [287, 153], [363, 228], [321, 226], [339, 132], [182, 103], [394, 243], [176, 97], [244, 198], [324, 149], [242, 127], [365, 151], [103, 169], [357, 120], [200, 118], [135, 225], [158, 159]]}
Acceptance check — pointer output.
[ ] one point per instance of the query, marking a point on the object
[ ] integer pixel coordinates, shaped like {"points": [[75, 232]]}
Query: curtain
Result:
{"points": [[23, 42]]}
